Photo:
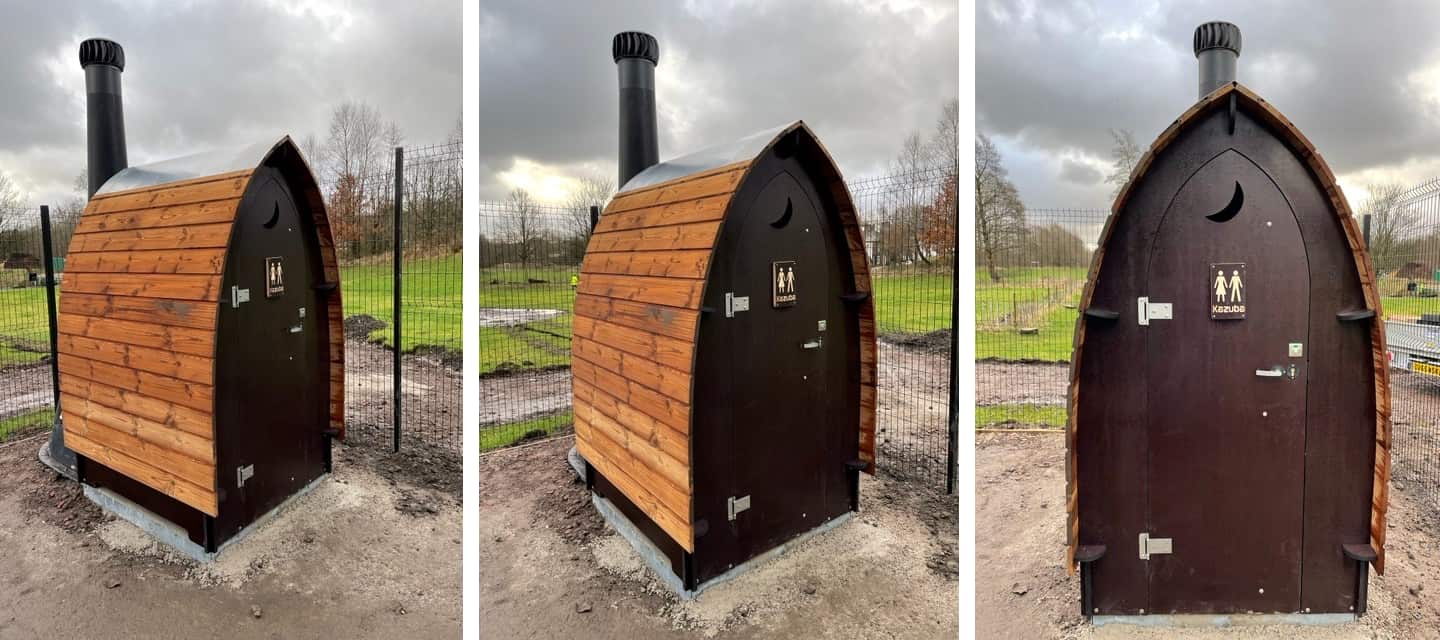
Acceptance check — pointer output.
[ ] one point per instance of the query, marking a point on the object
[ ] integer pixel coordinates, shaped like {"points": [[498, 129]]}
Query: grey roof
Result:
{"points": [[708, 158], [195, 165]]}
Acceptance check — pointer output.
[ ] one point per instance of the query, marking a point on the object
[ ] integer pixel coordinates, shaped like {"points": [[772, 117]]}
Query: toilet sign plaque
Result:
{"points": [[274, 277], [1226, 281], [782, 283]]}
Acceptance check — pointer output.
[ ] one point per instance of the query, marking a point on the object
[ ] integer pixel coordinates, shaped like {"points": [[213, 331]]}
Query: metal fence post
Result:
{"points": [[395, 292], [594, 217], [952, 452], [1365, 224], [55, 454]]}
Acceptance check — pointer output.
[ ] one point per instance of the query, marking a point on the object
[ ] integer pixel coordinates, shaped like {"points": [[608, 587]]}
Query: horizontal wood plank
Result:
{"points": [[167, 483], [698, 210], [650, 318], [597, 451], [175, 313], [167, 449], [197, 342], [200, 261], [173, 216], [688, 263], [673, 353], [722, 180], [192, 395], [165, 363], [673, 292], [204, 288], [700, 235], [198, 236], [217, 187]]}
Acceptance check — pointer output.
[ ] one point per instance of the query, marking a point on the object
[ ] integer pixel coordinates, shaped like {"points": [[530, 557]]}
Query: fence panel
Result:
{"points": [[530, 255], [27, 392], [1028, 282]]}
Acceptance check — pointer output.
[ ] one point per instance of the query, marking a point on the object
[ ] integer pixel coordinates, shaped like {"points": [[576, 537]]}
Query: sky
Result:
{"points": [[220, 74], [863, 75], [1360, 79]]}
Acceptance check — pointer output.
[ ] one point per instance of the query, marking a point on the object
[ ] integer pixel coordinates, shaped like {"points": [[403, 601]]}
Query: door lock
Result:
{"points": [[814, 344], [1274, 372]]}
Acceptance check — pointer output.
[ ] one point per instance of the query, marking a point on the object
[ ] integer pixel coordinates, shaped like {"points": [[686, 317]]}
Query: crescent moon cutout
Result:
{"points": [[1230, 210], [274, 217], [784, 218]]}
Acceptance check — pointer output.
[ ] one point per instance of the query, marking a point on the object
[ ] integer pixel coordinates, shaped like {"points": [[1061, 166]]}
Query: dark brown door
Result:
{"points": [[1227, 396], [273, 380], [785, 435]]}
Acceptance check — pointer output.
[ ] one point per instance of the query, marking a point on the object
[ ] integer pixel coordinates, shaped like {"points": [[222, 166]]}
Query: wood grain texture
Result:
{"points": [[637, 316], [1258, 108]]}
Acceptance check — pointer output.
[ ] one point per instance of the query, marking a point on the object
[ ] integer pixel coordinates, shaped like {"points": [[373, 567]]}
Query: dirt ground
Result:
{"points": [[430, 396], [1015, 383], [551, 568], [374, 551], [1022, 590]]}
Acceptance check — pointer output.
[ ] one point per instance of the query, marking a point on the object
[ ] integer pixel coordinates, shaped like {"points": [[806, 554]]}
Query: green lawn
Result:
{"points": [[32, 420], [505, 435], [912, 302], [24, 322], [1020, 414], [1040, 298], [432, 307]]}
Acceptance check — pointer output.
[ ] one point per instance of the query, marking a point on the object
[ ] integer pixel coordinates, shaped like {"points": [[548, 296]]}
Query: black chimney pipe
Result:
{"points": [[1217, 47], [103, 60], [636, 55]]}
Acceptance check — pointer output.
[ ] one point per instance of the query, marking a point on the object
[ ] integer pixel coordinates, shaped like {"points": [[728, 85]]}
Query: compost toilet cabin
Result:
{"points": [[724, 343], [1229, 403], [201, 349]]}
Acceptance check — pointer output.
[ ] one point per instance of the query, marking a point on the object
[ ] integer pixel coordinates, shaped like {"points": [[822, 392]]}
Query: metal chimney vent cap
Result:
{"points": [[635, 44], [102, 51], [1217, 35]]}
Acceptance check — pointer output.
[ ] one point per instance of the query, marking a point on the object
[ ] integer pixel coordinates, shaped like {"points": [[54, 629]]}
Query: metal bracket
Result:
{"points": [[244, 473], [1154, 546], [237, 296], [733, 506], [735, 304], [1148, 310]]}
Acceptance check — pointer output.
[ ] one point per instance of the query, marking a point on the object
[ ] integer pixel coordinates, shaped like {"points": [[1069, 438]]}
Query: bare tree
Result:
{"points": [[944, 146], [1124, 154], [1391, 223], [314, 152], [393, 136], [12, 202], [999, 213], [356, 138], [593, 190], [913, 168], [522, 226]]}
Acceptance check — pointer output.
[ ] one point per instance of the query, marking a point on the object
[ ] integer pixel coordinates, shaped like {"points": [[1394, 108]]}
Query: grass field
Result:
{"points": [[1031, 298], [912, 303], [507, 434], [431, 315], [31, 420], [1027, 414]]}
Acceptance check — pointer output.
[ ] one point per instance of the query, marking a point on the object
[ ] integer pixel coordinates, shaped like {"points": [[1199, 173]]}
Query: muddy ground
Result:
{"points": [[372, 552], [1015, 383], [551, 568], [1022, 590], [430, 398]]}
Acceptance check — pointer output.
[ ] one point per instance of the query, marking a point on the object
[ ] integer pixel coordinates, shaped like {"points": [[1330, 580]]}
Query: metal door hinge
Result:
{"points": [[244, 473], [735, 304], [237, 296], [733, 506], [1148, 310], [1154, 546]]}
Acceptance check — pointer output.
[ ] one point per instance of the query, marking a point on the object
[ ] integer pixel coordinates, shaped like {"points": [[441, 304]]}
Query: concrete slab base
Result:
{"points": [[1226, 620], [658, 565], [171, 534]]}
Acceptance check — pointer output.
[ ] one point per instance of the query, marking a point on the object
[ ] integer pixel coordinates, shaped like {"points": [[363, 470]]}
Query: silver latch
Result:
{"points": [[735, 304], [1154, 546], [1147, 310], [813, 344], [237, 296], [735, 505], [244, 473]]}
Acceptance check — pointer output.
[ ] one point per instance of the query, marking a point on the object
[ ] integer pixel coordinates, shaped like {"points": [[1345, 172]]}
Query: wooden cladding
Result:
{"points": [[136, 330]]}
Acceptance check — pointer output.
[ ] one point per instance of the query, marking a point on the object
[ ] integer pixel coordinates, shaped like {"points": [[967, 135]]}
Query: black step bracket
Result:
{"points": [[1099, 313], [856, 465], [1355, 315], [1363, 555], [327, 287], [1086, 555], [855, 298]]}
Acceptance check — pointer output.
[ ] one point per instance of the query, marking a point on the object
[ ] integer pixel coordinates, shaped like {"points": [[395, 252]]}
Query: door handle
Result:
{"points": [[813, 344], [1270, 373]]}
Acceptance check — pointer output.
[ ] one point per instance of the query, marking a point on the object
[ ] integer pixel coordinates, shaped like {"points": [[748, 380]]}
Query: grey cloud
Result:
{"points": [[1079, 173], [1057, 76], [217, 74], [862, 77]]}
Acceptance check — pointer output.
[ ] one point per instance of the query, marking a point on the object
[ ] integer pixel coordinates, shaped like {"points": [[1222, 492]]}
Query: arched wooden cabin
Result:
{"points": [[1229, 398], [201, 348], [724, 351]]}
